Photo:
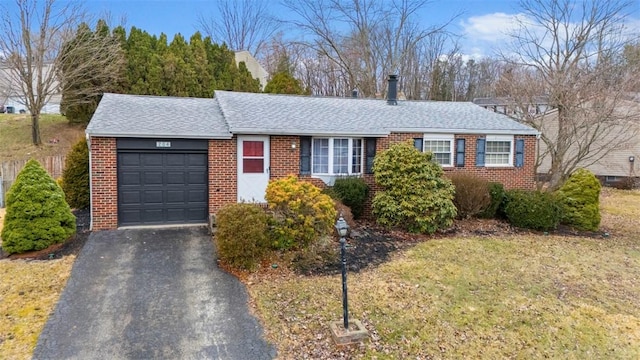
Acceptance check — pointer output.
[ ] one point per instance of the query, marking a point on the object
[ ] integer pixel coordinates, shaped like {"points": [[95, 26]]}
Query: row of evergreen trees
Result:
{"points": [[153, 66]]}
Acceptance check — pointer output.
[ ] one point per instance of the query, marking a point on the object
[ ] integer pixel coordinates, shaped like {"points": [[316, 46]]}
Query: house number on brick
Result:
{"points": [[163, 144]]}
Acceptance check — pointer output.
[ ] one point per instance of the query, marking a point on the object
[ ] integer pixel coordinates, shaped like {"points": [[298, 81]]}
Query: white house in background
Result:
{"points": [[10, 94], [617, 164], [254, 67]]}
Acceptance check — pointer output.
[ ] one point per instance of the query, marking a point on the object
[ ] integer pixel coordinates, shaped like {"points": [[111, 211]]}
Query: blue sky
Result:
{"points": [[482, 23]]}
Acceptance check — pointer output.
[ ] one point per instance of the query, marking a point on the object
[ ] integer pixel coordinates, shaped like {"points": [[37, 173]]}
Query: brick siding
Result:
{"points": [[104, 183], [223, 173], [284, 161]]}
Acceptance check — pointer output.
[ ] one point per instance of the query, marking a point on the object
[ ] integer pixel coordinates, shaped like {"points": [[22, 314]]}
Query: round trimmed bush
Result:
{"points": [[532, 209], [75, 176], [241, 235], [579, 197], [415, 194], [37, 214], [301, 213]]}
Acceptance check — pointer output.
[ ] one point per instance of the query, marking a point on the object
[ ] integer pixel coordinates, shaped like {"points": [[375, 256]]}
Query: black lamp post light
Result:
{"points": [[344, 332]]}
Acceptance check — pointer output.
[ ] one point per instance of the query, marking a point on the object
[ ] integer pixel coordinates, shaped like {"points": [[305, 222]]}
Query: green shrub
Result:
{"points": [[75, 176], [415, 194], [352, 191], [496, 207], [532, 209], [472, 194], [579, 197], [37, 215], [301, 213], [241, 235]]}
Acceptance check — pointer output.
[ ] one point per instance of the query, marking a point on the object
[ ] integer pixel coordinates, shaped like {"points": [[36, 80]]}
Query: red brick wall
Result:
{"points": [[223, 172], [104, 183], [284, 161], [511, 177]]}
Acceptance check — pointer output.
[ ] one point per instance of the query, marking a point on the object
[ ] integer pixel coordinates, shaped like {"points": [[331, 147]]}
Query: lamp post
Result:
{"points": [[343, 229]]}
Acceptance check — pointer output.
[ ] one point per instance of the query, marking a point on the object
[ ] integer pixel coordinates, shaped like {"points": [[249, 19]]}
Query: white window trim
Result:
{"points": [[444, 137], [350, 162], [508, 138]]}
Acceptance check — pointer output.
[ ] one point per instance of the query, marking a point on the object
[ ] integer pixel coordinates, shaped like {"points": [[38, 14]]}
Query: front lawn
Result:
{"points": [[29, 291], [512, 296]]}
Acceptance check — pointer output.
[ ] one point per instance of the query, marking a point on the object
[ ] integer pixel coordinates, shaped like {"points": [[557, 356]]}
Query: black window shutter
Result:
{"points": [[305, 155], [460, 152], [417, 143], [480, 145], [371, 153], [519, 152]]}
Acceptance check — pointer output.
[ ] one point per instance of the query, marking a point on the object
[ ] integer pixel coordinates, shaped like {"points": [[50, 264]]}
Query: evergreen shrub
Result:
{"points": [[532, 209], [352, 191], [579, 197], [37, 215], [75, 176], [415, 194], [496, 207]]}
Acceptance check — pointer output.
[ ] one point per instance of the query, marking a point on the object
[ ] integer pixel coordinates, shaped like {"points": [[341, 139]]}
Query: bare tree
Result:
{"points": [[241, 24], [365, 39], [32, 37], [572, 52]]}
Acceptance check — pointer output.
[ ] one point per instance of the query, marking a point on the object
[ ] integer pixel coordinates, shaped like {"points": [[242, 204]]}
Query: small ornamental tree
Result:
{"points": [[75, 176], [579, 198], [415, 194], [37, 214]]}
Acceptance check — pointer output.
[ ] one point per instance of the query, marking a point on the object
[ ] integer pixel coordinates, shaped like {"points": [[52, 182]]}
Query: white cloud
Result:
{"points": [[491, 27]]}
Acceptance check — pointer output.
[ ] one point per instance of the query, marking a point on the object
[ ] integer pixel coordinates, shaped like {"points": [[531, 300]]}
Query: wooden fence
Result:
{"points": [[9, 170]]}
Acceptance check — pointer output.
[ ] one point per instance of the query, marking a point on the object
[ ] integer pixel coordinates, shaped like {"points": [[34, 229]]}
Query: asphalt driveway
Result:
{"points": [[151, 294]]}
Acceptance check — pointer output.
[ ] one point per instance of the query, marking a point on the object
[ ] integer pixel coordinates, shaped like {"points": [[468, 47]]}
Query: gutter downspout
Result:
{"points": [[90, 184]]}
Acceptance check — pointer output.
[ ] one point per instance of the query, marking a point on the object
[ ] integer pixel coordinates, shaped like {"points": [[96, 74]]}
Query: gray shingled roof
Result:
{"points": [[249, 113], [158, 116]]}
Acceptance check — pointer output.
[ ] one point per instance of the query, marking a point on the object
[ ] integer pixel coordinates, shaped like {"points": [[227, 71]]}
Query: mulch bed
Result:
{"points": [[70, 247]]}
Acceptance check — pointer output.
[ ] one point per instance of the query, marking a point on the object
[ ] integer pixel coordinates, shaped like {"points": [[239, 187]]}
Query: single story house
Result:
{"points": [[167, 160]]}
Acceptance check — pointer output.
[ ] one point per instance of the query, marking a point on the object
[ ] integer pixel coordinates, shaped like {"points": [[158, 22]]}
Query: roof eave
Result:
{"points": [[467, 131], [164, 136], [257, 131]]}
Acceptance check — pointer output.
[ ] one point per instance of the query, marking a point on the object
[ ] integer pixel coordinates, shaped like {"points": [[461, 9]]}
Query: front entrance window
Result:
{"points": [[253, 157]]}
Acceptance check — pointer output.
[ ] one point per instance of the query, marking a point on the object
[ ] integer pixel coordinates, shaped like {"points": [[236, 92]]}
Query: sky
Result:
{"points": [[482, 23]]}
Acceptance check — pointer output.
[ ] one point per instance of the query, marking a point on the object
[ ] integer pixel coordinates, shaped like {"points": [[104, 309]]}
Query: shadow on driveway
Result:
{"points": [[151, 294]]}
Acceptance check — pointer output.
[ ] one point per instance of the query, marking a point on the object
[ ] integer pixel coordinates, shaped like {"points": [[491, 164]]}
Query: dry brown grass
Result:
{"points": [[29, 291], [15, 136], [526, 296]]}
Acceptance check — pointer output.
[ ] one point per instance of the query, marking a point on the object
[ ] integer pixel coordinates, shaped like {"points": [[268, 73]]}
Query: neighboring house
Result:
{"points": [[508, 106], [609, 166], [166, 160], [11, 95], [254, 67], [614, 156]]}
